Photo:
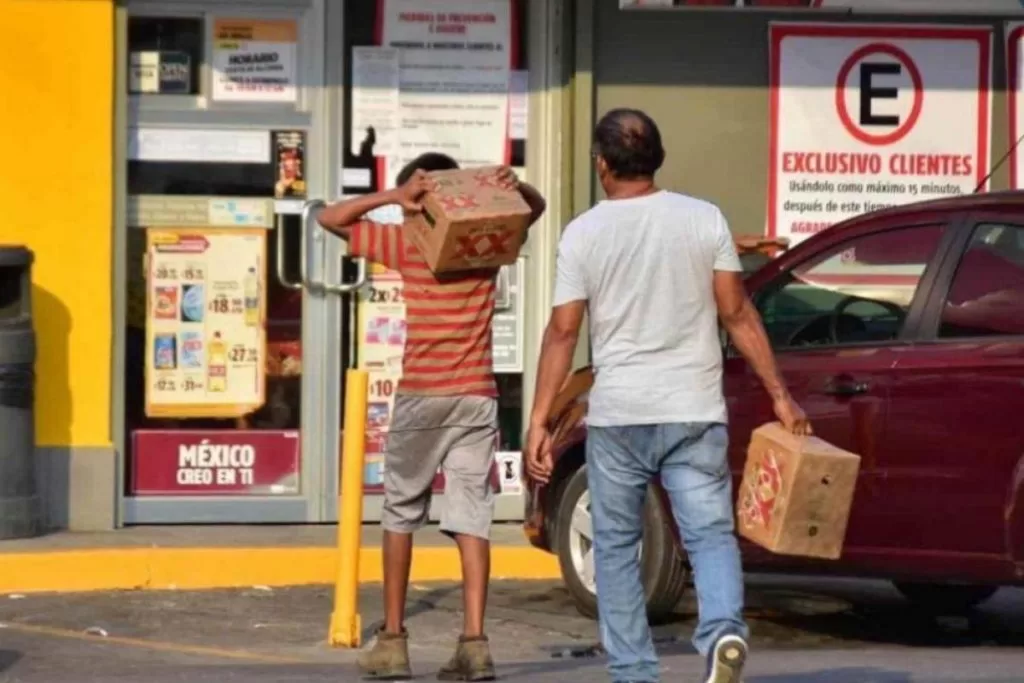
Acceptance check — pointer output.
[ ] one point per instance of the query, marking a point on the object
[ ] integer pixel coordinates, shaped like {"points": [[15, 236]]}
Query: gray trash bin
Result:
{"points": [[19, 501]]}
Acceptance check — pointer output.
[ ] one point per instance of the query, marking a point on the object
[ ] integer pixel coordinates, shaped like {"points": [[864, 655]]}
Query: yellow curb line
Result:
{"points": [[158, 645], [198, 568]]}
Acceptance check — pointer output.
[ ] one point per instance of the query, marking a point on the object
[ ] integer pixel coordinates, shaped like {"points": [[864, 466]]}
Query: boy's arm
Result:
{"points": [[341, 217], [533, 198]]}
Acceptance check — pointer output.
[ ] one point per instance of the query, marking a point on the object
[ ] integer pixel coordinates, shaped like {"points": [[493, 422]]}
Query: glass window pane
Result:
{"points": [[164, 55], [986, 297], [855, 293]]}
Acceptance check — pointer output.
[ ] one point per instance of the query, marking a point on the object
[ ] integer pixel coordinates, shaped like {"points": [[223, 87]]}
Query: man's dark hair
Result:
{"points": [[630, 143], [431, 161]]}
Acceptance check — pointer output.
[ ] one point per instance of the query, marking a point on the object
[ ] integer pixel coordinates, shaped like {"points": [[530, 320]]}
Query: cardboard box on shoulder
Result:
{"points": [[796, 493], [469, 221]]}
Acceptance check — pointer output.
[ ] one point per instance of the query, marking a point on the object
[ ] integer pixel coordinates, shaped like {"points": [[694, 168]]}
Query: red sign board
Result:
{"points": [[167, 462]]}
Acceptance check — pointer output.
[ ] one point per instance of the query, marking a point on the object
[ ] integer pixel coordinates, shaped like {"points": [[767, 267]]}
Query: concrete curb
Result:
{"points": [[198, 568]]}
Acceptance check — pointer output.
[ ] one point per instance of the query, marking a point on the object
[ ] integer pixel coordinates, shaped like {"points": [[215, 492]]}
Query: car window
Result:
{"points": [[986, 297], [859, 291]]}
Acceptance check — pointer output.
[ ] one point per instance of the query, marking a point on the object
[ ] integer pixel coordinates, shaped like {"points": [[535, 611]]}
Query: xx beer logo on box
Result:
{"points": [[457, 202], [869, 116], [761, 494], [486, 246]]}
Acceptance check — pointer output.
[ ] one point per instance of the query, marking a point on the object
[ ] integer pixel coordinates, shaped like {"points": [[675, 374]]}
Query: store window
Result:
{"points": [[164, 55], [213, 330], [859, 292], [986, 298]]}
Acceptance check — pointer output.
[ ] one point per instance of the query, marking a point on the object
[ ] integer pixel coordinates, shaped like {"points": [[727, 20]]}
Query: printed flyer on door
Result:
{"points": [[381, 316], [455, 57], [205, 334], [254, 60], [869, 116]]}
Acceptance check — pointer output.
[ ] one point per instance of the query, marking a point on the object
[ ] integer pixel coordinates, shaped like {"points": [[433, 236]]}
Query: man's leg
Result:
{"points": [[695, 474], [619, 468], [466, 517]]}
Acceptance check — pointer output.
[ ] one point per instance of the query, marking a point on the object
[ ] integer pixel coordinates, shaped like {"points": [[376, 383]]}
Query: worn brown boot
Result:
{"points": [[471, 661], [388, 659]]}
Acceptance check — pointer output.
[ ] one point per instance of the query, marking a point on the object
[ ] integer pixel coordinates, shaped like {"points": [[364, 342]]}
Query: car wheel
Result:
{"points": [[945, 598], [663, 571]]}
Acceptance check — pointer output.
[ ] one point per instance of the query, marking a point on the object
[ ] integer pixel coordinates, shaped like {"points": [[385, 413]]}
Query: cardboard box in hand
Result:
{"points": [[796, 494], [469, 221]]}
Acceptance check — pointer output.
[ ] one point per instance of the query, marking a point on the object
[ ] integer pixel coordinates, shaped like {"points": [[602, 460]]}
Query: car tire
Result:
{"points": [[663, 570], [945, 598]]}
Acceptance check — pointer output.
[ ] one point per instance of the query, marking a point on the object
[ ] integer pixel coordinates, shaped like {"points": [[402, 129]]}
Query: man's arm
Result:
{"points": [[340, 217], [556, 351], [743, 323]]}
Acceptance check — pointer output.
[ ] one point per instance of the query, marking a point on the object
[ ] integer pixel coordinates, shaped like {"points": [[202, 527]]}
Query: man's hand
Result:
{"points": [[539, 461], [791, 415], [410, 194], [508, 179]]}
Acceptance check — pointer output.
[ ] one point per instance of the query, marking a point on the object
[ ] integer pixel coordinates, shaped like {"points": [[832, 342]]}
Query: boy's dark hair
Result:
{"points": [[630, 143], [431, 161]]}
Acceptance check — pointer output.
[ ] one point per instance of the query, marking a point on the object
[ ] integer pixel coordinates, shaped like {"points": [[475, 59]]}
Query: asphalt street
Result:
{"points": [[804, 631]]}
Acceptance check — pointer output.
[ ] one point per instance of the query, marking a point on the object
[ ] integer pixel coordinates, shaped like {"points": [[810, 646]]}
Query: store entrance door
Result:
{"points": [[236, 329]]}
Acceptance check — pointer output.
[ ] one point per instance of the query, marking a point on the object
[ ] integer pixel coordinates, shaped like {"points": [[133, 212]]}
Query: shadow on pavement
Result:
{"points": [[417, 604], [857, 614], [8, 658], [849, 675]]}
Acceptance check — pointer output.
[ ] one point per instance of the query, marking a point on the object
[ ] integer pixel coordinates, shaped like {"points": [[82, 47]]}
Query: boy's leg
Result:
{"points": [[415, 448], [467, 515]]}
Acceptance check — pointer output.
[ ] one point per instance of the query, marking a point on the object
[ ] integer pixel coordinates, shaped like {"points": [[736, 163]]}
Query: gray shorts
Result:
{"points": [[455, 433]]}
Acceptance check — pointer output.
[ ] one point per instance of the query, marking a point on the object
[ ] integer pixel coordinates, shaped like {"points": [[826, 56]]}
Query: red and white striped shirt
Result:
{"points": [[448, 316]]}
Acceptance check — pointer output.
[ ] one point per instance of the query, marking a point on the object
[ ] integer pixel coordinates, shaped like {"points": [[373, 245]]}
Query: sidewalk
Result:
{"points": [[198, 557]]}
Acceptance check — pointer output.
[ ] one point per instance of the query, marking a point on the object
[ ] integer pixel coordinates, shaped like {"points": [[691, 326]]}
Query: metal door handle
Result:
{"points": [[350, 286], [308, 219], [846, 387], [279, 260], [309, 209]]}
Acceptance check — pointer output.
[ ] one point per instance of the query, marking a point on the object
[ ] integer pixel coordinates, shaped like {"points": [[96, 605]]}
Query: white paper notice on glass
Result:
{"points": [[209, 145], [518, 104], [375, 98], [255, 60]]}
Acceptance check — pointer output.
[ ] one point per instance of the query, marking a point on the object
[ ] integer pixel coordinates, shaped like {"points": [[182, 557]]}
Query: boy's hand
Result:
{"points": [[410, 194], [507, 178]]}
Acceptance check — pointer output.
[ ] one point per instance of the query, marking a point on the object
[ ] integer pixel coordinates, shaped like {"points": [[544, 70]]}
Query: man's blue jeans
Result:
{"points": [[691, 459]]}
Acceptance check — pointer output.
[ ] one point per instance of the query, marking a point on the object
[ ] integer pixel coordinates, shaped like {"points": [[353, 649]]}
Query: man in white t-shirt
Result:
{"points": [[656, 270]]}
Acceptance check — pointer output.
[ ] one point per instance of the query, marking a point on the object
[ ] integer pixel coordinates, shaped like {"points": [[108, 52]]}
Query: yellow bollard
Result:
{"points": [[345, 623]]}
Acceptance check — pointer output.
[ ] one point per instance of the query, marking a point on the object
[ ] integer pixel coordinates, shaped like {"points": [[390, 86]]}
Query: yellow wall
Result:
{"points": [[56, 190]]}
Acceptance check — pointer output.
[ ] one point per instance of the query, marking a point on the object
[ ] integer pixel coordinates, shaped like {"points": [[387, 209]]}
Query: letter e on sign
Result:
{"points": [[884, 103]]}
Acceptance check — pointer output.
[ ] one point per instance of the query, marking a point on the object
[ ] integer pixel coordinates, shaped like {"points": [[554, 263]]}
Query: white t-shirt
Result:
{"points": [[645, 265]]}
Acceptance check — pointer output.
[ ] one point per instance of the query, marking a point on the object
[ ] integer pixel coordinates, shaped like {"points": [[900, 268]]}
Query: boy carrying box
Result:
{"points": [[445, 415]]}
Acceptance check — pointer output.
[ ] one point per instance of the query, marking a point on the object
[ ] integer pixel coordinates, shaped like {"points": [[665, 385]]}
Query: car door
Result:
{"points": [[955, 432], [836, 319]]}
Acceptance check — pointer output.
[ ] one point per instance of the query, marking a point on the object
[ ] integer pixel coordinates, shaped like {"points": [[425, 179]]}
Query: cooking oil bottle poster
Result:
{"points": [[205, 332]]}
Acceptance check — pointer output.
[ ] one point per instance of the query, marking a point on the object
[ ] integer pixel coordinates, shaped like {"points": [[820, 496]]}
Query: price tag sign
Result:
{"points": [[205, 330]]}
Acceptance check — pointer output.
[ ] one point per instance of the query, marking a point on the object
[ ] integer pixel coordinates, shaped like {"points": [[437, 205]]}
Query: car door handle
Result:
{"points": [[846, 387]]}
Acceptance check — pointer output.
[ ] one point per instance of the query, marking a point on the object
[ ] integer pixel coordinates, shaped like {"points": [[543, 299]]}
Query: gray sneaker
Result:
{"points": [[726, 660]]}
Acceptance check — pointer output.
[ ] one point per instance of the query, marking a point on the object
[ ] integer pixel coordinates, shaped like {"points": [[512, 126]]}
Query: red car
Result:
{"points": [[901, 333]]}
